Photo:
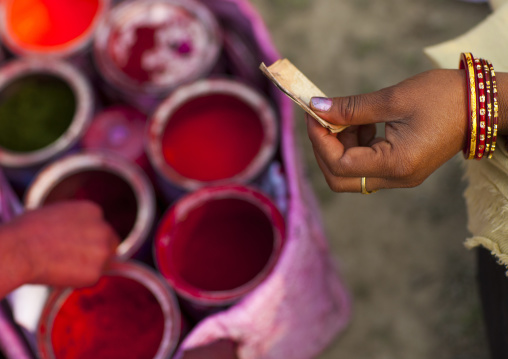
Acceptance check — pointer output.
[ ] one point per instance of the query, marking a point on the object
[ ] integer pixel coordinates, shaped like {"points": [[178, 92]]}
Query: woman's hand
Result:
{"points": [[425, 125], [64, 244]]}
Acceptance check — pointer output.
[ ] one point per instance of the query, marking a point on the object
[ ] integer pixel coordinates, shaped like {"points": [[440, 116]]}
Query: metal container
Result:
{"points": [[146, 48], [21, 166], [217, 244], [101, 176], [119, 129], [194, 140], [142, 276], [72, 45]]}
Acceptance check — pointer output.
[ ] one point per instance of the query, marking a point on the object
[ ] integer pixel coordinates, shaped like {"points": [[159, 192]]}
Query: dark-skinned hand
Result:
{"points": [[425, 119]]}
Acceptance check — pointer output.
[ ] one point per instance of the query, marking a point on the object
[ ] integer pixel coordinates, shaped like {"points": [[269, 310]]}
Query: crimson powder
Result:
{"points": [[116, 318]]}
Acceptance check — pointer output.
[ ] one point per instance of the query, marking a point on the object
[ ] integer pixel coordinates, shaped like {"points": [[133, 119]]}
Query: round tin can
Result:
{"points": [[130, 298], [21, 166], [146, 48], [119, 129], [217, 244], [50, 27], [211, 132], [120, 187]]}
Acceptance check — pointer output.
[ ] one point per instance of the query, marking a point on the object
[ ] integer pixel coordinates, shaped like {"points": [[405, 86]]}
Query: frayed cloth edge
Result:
{"points": [[490, 245]]}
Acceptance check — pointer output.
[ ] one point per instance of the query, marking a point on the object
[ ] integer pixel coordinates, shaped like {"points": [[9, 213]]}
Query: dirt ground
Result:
{"points": [[400, 251]]}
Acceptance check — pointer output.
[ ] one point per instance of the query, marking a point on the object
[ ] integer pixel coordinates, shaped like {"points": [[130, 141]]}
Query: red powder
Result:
{"points": [[46, 23], [212, 138], [221, 245], [116, 318], [112, 193], [161, 45], [144, 41]]}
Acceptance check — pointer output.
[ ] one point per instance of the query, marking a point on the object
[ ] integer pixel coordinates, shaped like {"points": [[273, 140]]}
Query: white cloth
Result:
{"points": [[487, 40], [487, 192]]}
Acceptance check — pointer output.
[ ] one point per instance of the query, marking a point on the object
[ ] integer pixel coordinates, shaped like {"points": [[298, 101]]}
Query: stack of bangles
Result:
{"points": [[482, 107]]}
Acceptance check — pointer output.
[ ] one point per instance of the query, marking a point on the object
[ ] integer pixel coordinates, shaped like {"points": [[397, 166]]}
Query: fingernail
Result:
{"points": [[322, 104]]}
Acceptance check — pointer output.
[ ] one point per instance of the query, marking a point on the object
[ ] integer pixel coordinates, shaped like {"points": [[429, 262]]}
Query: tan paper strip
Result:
{"points": [[298, 87]]}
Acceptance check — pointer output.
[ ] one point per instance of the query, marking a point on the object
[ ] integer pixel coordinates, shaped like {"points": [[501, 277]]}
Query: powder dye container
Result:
{"points": [[50, 27], [146, 48], [119, 129], [118, 186], [211, 132], [217, 244], [45, 106], [130, 313]]}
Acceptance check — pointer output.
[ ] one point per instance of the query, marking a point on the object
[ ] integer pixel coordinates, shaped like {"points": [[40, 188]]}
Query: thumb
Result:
{"points": [[352, 110]]}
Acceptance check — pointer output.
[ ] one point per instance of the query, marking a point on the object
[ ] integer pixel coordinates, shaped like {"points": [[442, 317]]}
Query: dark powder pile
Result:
{"points": [[35, 111], [115, 196]]}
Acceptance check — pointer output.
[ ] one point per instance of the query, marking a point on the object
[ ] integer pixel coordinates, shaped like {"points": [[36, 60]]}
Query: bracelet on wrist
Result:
{"points": [[483, 108]]}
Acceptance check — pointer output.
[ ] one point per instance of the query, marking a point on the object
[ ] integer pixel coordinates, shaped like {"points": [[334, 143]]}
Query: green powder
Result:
{"points": [[35, 111]]}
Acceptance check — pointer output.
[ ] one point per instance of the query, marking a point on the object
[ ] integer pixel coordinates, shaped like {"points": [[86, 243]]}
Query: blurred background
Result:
{"points": [[400, 251]]}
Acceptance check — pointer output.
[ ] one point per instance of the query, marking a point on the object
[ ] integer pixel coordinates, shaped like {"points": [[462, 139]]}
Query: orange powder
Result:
{"points": [[41, 24]]}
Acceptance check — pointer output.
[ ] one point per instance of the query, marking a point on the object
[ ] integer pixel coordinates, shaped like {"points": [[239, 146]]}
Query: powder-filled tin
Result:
{"points": [[130, 313], [119, 129], [50, 27], [120, 187], [146, 48], [217, 244], [45, 106], [211, 132]]}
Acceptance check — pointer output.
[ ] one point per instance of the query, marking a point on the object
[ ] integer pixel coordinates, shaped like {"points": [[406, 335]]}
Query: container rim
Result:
{"points": [[128, 9], [223, 86], [79, 44], [23, 67], [129, 269], [180, 210], [50, 176]]}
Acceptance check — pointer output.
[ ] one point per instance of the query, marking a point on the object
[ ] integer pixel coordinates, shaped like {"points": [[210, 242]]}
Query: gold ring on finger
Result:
{"points": [[364, 189]]}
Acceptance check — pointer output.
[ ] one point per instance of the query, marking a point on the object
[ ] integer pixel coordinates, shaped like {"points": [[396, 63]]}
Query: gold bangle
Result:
{"points": [[473, 104]]}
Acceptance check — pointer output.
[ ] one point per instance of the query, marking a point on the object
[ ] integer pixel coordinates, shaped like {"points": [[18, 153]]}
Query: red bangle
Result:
{"points": [[466, 63], [480, 113], [488, 102], [495, 107]]}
